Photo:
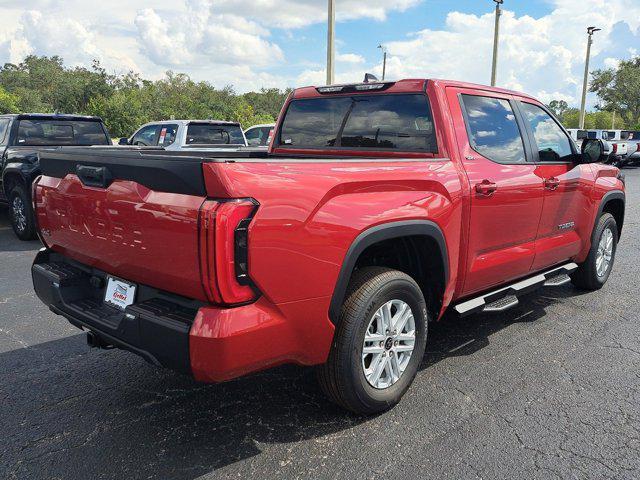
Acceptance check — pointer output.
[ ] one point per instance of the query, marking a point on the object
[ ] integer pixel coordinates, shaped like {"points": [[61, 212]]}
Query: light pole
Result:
{"points": [[331, 43], [590, 32], [384, 60], [496, 40]]}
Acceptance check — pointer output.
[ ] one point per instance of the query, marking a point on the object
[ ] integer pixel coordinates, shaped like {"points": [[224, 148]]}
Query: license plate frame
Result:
{"points": [[119, 293]]}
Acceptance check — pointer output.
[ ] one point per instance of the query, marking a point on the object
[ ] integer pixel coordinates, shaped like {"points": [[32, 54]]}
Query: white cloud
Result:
{"points": [[538, 56], [199, 35], [350, 58], [301, 13], [242, 42]]}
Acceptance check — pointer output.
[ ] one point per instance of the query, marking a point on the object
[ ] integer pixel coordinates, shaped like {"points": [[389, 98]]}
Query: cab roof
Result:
{"points": [[51, 116], [411, 85]]}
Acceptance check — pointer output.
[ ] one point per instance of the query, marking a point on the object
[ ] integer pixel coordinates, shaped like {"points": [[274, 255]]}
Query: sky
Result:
{"points": [[251, 44]]}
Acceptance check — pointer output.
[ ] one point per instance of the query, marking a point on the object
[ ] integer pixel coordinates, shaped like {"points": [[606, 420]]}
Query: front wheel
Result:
{"points": [[379, 342], [595, 271], [21, 214]]}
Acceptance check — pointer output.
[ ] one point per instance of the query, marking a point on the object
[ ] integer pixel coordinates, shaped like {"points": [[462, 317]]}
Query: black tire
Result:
{"points": [[21, 213], [586, 277], [343, 378]]}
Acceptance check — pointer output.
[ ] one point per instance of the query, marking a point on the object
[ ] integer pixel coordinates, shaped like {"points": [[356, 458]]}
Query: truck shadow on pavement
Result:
{"points": [[71, 412], [8, 241]]}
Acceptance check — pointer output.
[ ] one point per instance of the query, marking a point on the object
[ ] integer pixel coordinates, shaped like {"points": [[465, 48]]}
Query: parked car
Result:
{"points": [[22, 139], [260, 135], [174, 135], [632, 140], [379, 207], [579, 135]]}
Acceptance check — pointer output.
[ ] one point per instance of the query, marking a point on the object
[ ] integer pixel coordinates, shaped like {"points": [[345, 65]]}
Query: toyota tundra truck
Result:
{"points": [[22, 139], [378, 208]]}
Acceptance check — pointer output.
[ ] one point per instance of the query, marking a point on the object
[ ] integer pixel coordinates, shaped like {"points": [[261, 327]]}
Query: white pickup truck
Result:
{"points": [[178, 135]]}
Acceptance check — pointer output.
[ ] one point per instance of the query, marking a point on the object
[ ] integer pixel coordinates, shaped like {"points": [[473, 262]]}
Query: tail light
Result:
{"points": [[224, 251], [615, 148]]}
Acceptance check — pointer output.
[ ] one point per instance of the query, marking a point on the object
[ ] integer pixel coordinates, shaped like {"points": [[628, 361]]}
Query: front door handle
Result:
{"points": [[486, 188], [551, 183]]}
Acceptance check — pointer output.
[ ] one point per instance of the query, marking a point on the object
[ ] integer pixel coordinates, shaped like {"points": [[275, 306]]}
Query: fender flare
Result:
{"points": [[373, 235], [612, 195], [26, 172]]}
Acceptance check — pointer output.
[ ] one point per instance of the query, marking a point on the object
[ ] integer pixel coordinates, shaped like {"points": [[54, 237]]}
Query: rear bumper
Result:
{"points": [[212, 344], [156, 327]]}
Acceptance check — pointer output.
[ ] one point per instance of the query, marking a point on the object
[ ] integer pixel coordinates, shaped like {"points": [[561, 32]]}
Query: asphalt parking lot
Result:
{"points": [[550, 389]]}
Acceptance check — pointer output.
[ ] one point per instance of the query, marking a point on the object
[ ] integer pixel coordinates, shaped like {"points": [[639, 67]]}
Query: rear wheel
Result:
{"points": [[379, 342], [595, 271], [21, 214]]}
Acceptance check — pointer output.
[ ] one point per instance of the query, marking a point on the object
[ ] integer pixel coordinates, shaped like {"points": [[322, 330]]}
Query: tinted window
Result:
{"points": [[167, 135], [254, 136], [394, 122], [61, 132], [4, 126], [146, 136], [211, 134], [258, 136], [493, 130], [553, 144]]}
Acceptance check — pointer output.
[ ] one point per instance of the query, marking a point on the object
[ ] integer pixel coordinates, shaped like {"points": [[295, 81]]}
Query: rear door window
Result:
{"points": [[379, 122], [212, 134], [37, 132], [168, 135], [254, 136], [4, 128], [146, 136], [553, 144], [493, 130]]}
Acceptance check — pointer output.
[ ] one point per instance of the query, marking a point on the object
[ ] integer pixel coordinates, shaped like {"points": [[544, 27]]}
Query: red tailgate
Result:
{"points": [[126, 229]]}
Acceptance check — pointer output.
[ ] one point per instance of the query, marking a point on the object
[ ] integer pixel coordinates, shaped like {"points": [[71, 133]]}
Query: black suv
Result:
{"points": [[22, 138]]}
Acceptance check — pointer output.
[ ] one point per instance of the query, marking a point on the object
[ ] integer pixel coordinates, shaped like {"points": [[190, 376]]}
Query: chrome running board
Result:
{"points": [[507, 297]]}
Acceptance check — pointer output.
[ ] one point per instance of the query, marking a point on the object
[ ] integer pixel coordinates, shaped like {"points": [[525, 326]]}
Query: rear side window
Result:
{"points": [[60, 132], [380, 122], [4, 127], [168, 135], [212, 134], [553, 144], [146, 136], [493, 129]]}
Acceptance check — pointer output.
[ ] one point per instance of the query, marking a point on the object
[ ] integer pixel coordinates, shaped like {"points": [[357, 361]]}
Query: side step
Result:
{"points": [[507, 297]]}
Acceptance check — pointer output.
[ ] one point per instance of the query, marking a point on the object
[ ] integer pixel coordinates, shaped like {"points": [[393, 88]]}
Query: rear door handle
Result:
{"points": [[551, 183], [486, 188]]}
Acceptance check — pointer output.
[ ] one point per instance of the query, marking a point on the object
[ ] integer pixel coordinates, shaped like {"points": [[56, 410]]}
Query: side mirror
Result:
{"points": [[123, 141], [594, 150]]}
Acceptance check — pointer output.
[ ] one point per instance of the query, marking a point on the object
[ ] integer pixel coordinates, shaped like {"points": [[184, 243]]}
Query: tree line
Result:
{"points": [[44, 84], [124, 102], [618, 107]]}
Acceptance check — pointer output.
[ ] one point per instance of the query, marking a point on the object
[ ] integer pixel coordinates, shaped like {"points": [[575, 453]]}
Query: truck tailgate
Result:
{"points": [[130, 215]]}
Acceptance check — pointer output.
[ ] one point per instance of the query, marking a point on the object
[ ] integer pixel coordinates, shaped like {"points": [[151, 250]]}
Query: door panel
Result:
{"points": [[566, 216], [506, 198]]}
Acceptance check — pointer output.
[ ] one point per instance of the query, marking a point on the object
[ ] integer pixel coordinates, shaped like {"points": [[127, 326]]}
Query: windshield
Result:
{"points": [[630, 135], [383, 122], [211, 134], [37, 132]]}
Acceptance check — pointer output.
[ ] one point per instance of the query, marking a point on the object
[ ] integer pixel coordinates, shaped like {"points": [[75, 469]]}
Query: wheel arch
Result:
{"points": [[423, 238], [12, 176], [614, 203]]}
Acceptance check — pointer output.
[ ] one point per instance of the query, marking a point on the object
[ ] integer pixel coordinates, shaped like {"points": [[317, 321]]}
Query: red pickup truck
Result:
{"points": [[378, 207]]}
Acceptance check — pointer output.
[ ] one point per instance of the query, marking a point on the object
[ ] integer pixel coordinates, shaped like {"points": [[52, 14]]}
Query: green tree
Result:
{"points": [[8, 102], [558, 107], [619, 90]]}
